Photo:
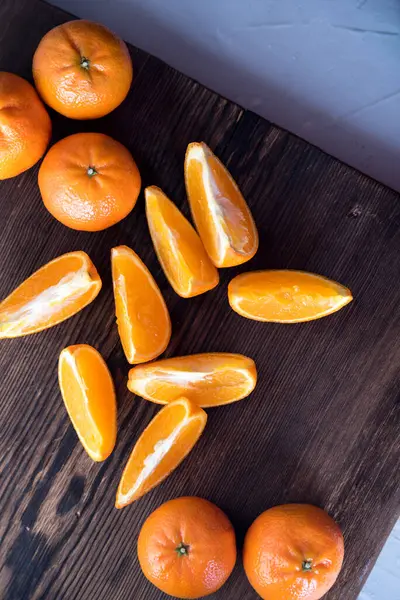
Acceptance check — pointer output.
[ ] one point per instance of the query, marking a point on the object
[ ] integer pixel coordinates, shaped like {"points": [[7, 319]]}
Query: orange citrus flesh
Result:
{"points": [[142, 316], [207, 380], [163, 445], [52, 294], [286, 296], [179, 249], [221, 215], [88, 393]]}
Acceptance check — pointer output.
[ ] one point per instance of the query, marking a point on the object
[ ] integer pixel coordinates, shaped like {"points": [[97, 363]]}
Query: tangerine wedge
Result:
{"points": [[52, 294], [221, 215], [206, 379], [143, 320], [89, 397], [163, 445], [286, 296], [179, 249]]}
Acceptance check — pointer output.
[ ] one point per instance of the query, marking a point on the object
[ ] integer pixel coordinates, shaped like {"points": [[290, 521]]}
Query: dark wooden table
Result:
{"points": [[321, 427]]}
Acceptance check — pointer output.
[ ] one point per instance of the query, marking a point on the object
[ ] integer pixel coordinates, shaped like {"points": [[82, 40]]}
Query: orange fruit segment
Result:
{"points": [[207, 380], [221, 215], [163, 445], [178, 247], [89, 397], [286, 296], [143, 320], [52, 294]]}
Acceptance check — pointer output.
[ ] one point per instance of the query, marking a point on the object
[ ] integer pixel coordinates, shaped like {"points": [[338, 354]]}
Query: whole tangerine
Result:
{"points": [[82, 70], [187, 548], [89, 181], [294, 551], [25, 126]]}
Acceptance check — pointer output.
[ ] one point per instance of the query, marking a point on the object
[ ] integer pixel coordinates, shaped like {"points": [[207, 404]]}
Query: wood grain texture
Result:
{"points": [[323, 423]]}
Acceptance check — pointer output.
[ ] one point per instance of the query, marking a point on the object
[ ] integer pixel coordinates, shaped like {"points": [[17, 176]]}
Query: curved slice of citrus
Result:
{"points": [[143, 320], [163, 445], [179, 249], [89, 397], [222, 217], [207, 380], [286, 296], [55, 292]]}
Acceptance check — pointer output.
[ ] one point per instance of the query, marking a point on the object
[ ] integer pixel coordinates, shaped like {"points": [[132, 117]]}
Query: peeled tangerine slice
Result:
{"points": [[221, 215], [88, 393], [163, 445], [52, 294], [286, 296], [207, 379], [179, 249], [142, 316]]}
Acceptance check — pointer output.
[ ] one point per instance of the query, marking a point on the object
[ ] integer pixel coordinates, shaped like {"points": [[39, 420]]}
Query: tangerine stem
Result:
{"points": [[182, 549], [307, 565], [91, 171], [85, 63]]}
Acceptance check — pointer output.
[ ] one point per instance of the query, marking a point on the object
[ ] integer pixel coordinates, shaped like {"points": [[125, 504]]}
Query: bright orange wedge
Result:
{"points": [[52, 294], [179, 249], [286, 296], [206, 379], [222, 217], [163, 445], [88, 393], [142, 316]]}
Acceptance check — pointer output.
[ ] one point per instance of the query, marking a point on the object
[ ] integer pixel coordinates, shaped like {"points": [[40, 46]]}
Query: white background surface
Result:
{"points": [[327, 70], [384, 581]]}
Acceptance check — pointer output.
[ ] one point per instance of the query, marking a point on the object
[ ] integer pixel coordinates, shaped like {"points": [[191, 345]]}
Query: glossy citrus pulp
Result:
{"points": [[165, 442], [207, 380], [293, 552], [88, 393], [25, 126], [187, 548], [143, 320], [89, 181], [52, 294], [179, 249], [221, 215], [82, 70], [286, 296]]}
